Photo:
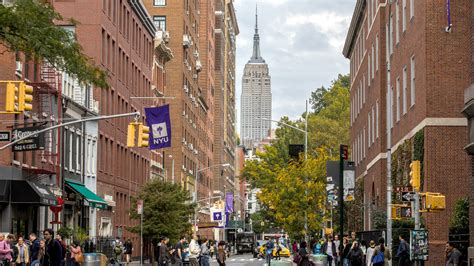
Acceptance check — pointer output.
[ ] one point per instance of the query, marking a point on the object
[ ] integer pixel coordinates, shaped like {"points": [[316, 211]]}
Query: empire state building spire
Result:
{"points": [[256, 56]]}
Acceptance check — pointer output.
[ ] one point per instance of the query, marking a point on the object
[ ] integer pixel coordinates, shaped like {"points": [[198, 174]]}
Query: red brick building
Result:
{"points": [[430, 68], [119, 36]]}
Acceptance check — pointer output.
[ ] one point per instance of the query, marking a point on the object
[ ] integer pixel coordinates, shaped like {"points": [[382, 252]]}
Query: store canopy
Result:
{"points": [[28, 192], [94, 200]]}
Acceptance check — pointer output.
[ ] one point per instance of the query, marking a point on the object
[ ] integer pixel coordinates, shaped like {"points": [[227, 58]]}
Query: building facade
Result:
{"points": [[119, 36], [426, 83], [256, 97]]}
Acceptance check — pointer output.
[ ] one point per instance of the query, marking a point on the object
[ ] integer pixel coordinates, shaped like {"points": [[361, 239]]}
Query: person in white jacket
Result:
{"points": [[370, 253], [194, 251]]}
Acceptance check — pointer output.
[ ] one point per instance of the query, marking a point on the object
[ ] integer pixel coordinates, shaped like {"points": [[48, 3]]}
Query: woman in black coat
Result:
{"points": [[355, 255]]}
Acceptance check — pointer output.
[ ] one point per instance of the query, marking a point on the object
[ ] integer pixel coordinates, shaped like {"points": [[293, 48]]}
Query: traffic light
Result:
{"points": [[395, 213], [11, 98], [131, 135], [415, 175], [143, 135], [25, 97], [432, 202]]}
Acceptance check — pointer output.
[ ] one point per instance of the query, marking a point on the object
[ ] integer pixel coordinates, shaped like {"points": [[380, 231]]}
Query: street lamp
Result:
{"points": [[172, 168], [305, 131], [203, 169]]}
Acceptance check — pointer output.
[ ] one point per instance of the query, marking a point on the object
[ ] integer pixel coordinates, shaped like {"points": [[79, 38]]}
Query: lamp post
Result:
{"points": [[305, 131], [196, 184]]}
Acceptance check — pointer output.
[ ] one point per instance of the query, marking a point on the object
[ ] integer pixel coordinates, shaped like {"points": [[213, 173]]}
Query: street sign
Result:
{"points": [[35, 142], [419, 245], [407, 196], [4, 135], [140, 207]]}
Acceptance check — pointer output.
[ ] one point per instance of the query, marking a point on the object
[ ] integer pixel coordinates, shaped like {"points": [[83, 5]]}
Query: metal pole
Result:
{"points": [[341, 195], [141, 238], [389, 134], [172, 171], [95, 118], [305, 161]]}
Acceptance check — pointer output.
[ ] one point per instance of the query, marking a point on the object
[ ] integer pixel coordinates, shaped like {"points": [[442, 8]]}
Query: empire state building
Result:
{"points": [[256, 98]]}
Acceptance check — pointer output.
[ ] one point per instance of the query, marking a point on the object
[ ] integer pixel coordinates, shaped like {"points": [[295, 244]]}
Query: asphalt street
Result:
{"points": [[249, 260]]}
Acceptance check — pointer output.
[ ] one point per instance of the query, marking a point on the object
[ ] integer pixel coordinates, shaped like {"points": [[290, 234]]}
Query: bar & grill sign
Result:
{"points": [[35, 142]]}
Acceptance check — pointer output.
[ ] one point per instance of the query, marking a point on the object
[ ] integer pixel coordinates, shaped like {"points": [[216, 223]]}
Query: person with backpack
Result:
{"points": [[403, 252], [118, 250], [269, 251], [370, 252], [381, 254], [355, 255]]}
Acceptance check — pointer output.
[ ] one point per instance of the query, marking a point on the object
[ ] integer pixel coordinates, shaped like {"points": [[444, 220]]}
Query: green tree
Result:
{"points": [[459, 223], [167, 210], [28, 26]]}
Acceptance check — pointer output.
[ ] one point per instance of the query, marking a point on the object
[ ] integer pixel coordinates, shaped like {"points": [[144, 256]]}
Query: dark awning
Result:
{"points": [[31, 193], [4, 188]]}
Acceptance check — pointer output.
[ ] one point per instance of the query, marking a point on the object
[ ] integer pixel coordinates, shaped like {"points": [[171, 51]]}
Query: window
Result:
{"points": [[391, 34], [363, 143], [159, 2], [377, 118], [398, 99], [377, 53], [397, 21], [369, 136], [405, 90], [412, 82], [412, 8], [373, 124], [373, 61], [392, 107], [404, 15], [160, 22], [368, 72]]}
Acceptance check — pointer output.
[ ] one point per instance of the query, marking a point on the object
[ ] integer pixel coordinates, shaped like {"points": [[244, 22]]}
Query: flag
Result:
{"points": [[229, 203], [158, 119]]}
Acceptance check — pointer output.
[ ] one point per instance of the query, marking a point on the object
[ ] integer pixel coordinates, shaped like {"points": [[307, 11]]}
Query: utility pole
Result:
{"points": [[389, 131], [343, 155]]}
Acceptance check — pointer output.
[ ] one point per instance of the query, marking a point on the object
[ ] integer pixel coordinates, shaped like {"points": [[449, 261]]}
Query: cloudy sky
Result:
{"points": [[301, 40]]}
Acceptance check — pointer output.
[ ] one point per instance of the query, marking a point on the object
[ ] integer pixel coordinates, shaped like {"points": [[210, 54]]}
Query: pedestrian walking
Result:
{"points": [[381, 254], [163, 259], [370, 253], [34, 247], [337, 256], [453, 255], [5, 251], [221, 254], [39, 259], [363, 247], [61, 241], [355, 255], [76, 253], [303, 253], [128, 248], [14, 249], [269, 251], [211, 248], [205, 253], [346, 248], [329, 249], [194, 251], [23, 257], [53, 250], [178, 252], [294, 248], [403, 252]]}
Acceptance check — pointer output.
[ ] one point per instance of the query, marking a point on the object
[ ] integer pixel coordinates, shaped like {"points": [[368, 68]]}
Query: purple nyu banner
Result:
{"points": [[158, 119], [229, 203]]}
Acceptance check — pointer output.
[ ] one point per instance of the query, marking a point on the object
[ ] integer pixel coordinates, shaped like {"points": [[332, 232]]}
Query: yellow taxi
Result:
{"points": [[284, 252]]}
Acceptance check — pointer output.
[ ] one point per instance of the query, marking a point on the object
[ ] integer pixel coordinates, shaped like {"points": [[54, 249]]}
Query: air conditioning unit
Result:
{"points": [[195, 151], [19, 67], [195, 76], [183, 140], [196, 54], [184, 113], [189, 68], [186, 89], [183, 167], [190, 146], [166, 36], [193, 99], [186, 116], [186, 63], [198, 66], [187, 41]]}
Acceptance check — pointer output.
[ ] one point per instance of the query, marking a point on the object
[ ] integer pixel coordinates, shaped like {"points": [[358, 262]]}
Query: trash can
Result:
{"points": [[319, 259], [94, 259]]}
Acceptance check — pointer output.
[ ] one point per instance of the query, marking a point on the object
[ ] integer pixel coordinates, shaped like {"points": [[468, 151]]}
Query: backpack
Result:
{"points": [[117, 250], [378, 258]]}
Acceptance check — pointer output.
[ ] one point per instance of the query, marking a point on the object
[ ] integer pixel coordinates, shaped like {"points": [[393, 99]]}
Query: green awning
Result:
{"points": [[94, 200]]}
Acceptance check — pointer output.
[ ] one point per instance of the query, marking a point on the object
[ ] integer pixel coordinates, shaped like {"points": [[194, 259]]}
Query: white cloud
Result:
{"points": [[301, 40]]}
